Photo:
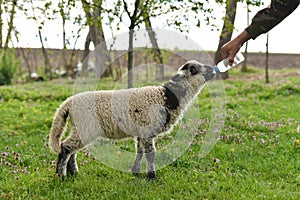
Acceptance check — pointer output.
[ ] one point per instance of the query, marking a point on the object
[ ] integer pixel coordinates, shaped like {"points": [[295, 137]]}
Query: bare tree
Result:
{"points": [[40, 15], [93, 11], [249, 3], [9, 8], [1, 24], [64, 9], [141, 11], [244, 66], [10, 23], [135, 19], [63, 14], [155, 48], [267, 59]]}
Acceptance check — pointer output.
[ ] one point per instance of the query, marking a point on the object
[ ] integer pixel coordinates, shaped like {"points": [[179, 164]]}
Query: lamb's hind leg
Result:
{"points": [[63, 157], [72, 167], [150, 155], [139, 155], [69, 147]]}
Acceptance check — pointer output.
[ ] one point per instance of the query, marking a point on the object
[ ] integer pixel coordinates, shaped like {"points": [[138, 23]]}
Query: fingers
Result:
{"points": [[231, 59], [229, 50], [224, 52]]}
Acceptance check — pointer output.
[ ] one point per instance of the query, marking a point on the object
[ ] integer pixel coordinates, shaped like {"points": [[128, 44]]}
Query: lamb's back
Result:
{"points": [[123, 113]]}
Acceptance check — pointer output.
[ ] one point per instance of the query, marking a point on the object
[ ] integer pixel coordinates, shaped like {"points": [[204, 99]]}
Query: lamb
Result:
{"points": [[142, 113]]}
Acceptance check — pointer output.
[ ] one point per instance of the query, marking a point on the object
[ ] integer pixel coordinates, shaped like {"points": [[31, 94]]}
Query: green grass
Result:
{"points": [[257, 155]]}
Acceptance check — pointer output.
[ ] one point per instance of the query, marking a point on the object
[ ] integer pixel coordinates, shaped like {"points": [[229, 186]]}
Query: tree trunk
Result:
{"points": [[10, 23], [130, 59], [244, 67], [72, 63], [155, 49], [66, 66], [1, 24], [26, 62], [84, 70], [45, 55], [96, 35], [267, 59], [134, 17], [226, 32]]}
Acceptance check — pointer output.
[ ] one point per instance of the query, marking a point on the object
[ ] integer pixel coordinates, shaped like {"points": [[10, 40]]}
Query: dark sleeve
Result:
{"points": [[269, 17]]}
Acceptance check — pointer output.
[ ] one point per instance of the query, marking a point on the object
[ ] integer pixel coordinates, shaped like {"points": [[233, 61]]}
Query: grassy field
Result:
{"points": [[257, 155]]}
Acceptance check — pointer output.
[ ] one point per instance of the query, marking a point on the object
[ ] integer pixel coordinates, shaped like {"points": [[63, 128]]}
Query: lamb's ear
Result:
{"points": [[185, 66], [194, 70]]}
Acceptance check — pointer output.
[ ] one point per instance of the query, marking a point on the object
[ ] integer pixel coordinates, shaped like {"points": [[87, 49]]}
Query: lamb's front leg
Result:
{"points": [[139, 155], [150, 156]]}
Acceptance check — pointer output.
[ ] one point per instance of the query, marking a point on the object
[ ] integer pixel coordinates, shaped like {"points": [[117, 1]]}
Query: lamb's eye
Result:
{"points": [[193, 70]]}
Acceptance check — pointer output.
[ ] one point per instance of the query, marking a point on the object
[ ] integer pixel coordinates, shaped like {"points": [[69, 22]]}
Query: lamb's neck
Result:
{"points": [[178, 95]]}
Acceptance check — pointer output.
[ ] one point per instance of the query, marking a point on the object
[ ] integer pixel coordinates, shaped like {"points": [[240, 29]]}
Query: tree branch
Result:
{"points": [[126, 9]]}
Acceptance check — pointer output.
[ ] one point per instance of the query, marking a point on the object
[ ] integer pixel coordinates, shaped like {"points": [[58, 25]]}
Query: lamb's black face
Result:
{"points": [[191, 69]]}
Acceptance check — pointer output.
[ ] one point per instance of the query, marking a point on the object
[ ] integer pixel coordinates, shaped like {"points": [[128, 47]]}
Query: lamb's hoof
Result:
{"points": [[135, 174], [135, 171], [59, 172], [151, 175], [59, 176], [73, 173]]}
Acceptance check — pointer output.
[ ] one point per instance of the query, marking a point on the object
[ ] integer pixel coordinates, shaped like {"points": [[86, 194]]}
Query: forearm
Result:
{"points": [[242, 38], [269, 17]]}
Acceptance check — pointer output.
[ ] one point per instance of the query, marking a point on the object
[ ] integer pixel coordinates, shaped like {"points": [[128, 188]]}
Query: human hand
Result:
{"points": [[230, 49]]}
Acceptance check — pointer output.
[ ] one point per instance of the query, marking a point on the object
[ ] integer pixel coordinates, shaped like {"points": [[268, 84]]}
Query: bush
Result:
{"points": [[8, 66]]}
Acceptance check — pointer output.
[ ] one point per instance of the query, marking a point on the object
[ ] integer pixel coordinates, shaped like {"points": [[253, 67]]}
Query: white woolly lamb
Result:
{"points": [[139, 112]]}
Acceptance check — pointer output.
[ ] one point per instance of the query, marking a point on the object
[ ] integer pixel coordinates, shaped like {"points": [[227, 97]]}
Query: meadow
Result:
{"points": [[257, 155]]}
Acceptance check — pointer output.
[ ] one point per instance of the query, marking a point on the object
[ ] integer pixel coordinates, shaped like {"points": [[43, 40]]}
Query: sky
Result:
{"points": [[284, 38]]}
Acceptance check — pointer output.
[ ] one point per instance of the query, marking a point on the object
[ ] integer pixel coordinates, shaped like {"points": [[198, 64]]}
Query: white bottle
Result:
{"points": [[223, 65]]}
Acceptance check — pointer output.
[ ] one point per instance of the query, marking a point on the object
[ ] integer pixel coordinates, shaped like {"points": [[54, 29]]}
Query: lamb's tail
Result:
{"points": [[59, 126]]}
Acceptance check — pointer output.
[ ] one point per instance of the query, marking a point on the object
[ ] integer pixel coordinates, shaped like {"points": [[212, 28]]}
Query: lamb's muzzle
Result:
{"points": [[140, 112]]}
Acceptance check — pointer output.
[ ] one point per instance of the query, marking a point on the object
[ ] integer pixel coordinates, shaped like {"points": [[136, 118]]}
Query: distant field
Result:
{"points": [[34, 58], [257, 155]]}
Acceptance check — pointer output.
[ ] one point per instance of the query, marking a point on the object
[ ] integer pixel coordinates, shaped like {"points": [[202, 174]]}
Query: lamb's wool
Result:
{"points": [[139, 112]]}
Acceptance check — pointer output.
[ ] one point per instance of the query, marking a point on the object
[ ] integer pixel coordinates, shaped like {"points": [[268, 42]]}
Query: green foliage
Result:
{"points": [[8, 66], [256, 156], [254, 2]]}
